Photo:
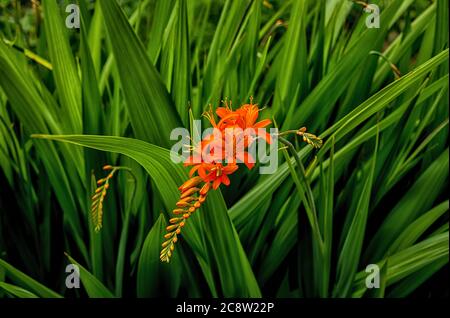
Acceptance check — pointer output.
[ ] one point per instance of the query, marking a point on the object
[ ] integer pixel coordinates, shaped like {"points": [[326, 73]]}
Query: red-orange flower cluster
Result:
{"points": [[214, 172], [235, 122]]}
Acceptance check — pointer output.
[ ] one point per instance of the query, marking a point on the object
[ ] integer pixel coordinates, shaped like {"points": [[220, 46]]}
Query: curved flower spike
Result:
{"points": [[211, 174]]}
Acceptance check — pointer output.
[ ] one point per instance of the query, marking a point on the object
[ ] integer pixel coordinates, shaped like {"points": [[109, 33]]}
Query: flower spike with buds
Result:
{"points": [[211, 174], [100, 193], [311, 139], [193, 194]]}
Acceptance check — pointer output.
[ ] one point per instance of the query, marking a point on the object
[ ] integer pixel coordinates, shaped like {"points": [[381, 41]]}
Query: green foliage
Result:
{"points": [[111, 92]]}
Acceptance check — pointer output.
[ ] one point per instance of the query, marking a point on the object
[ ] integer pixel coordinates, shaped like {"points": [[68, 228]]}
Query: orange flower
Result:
{"points": [[249, 114], [240, 141], [244, 117], [206, 161], [208, 150], [217, 173], [214, 172]]}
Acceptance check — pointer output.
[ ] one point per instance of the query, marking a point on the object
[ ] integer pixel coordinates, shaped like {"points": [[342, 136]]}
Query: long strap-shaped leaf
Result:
{"points": [[225, 249], [150, 107], [243, 209], [28, 282], [64, 68]]}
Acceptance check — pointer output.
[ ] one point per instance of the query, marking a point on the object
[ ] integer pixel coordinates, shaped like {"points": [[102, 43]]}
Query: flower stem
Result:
{"points": [[304, 190]]}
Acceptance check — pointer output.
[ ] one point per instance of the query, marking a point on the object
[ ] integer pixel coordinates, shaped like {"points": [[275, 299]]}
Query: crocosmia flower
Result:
{"points": [[212, 161]]}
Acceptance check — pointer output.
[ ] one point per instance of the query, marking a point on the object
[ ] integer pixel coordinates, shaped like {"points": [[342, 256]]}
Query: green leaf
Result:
{"points": [[334, 83], [235, 274], [414, 203], [407, 262], [412, 282], [162, 10], [294, 56], [175, 61], [152, 274], [94, 287], [350, 253], [152, 113], [16, 291], [417, 228], [26, 281], [64, 69]]}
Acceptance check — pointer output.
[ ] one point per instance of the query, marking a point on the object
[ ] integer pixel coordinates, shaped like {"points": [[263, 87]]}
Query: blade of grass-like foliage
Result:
{"points": [[151, 110], [2, 270], [259, 69], [413, 158], [274, 206], [110, 61], [317, 47], [231, 18], [175, 61], [94, 287], [93, 123], [64, 69], [283, 240], [10, 157], [17, 291], [412, 282], [233, 58], [94, 35], [231, 263], [269, 25], [416, 201], [26, 281], [152, 273], [32, 56], [417, 228], [402, 44], [162, 13], [409, 261], [241, 212], [21, 90], [323, 267], [38, 114], [236, 275], [406, 156], [304, 190], [294, 56], [441, 32], [249, 50], [336, 13], [381, 99], [129, 186], [334, 83], [89, 86], [350, 253], [384, 124]]}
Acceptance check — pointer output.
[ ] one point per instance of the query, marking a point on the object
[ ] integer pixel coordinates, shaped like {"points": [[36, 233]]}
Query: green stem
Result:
{"points": [[124, 237], [30, 55], [308, 199]]}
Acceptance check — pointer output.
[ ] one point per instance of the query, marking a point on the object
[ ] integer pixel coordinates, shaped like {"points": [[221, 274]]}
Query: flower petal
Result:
{"points": [[202, 172], [193, 170], [229, 169], [263, 123], [222, 112], [225, 180], [216, 183]]}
